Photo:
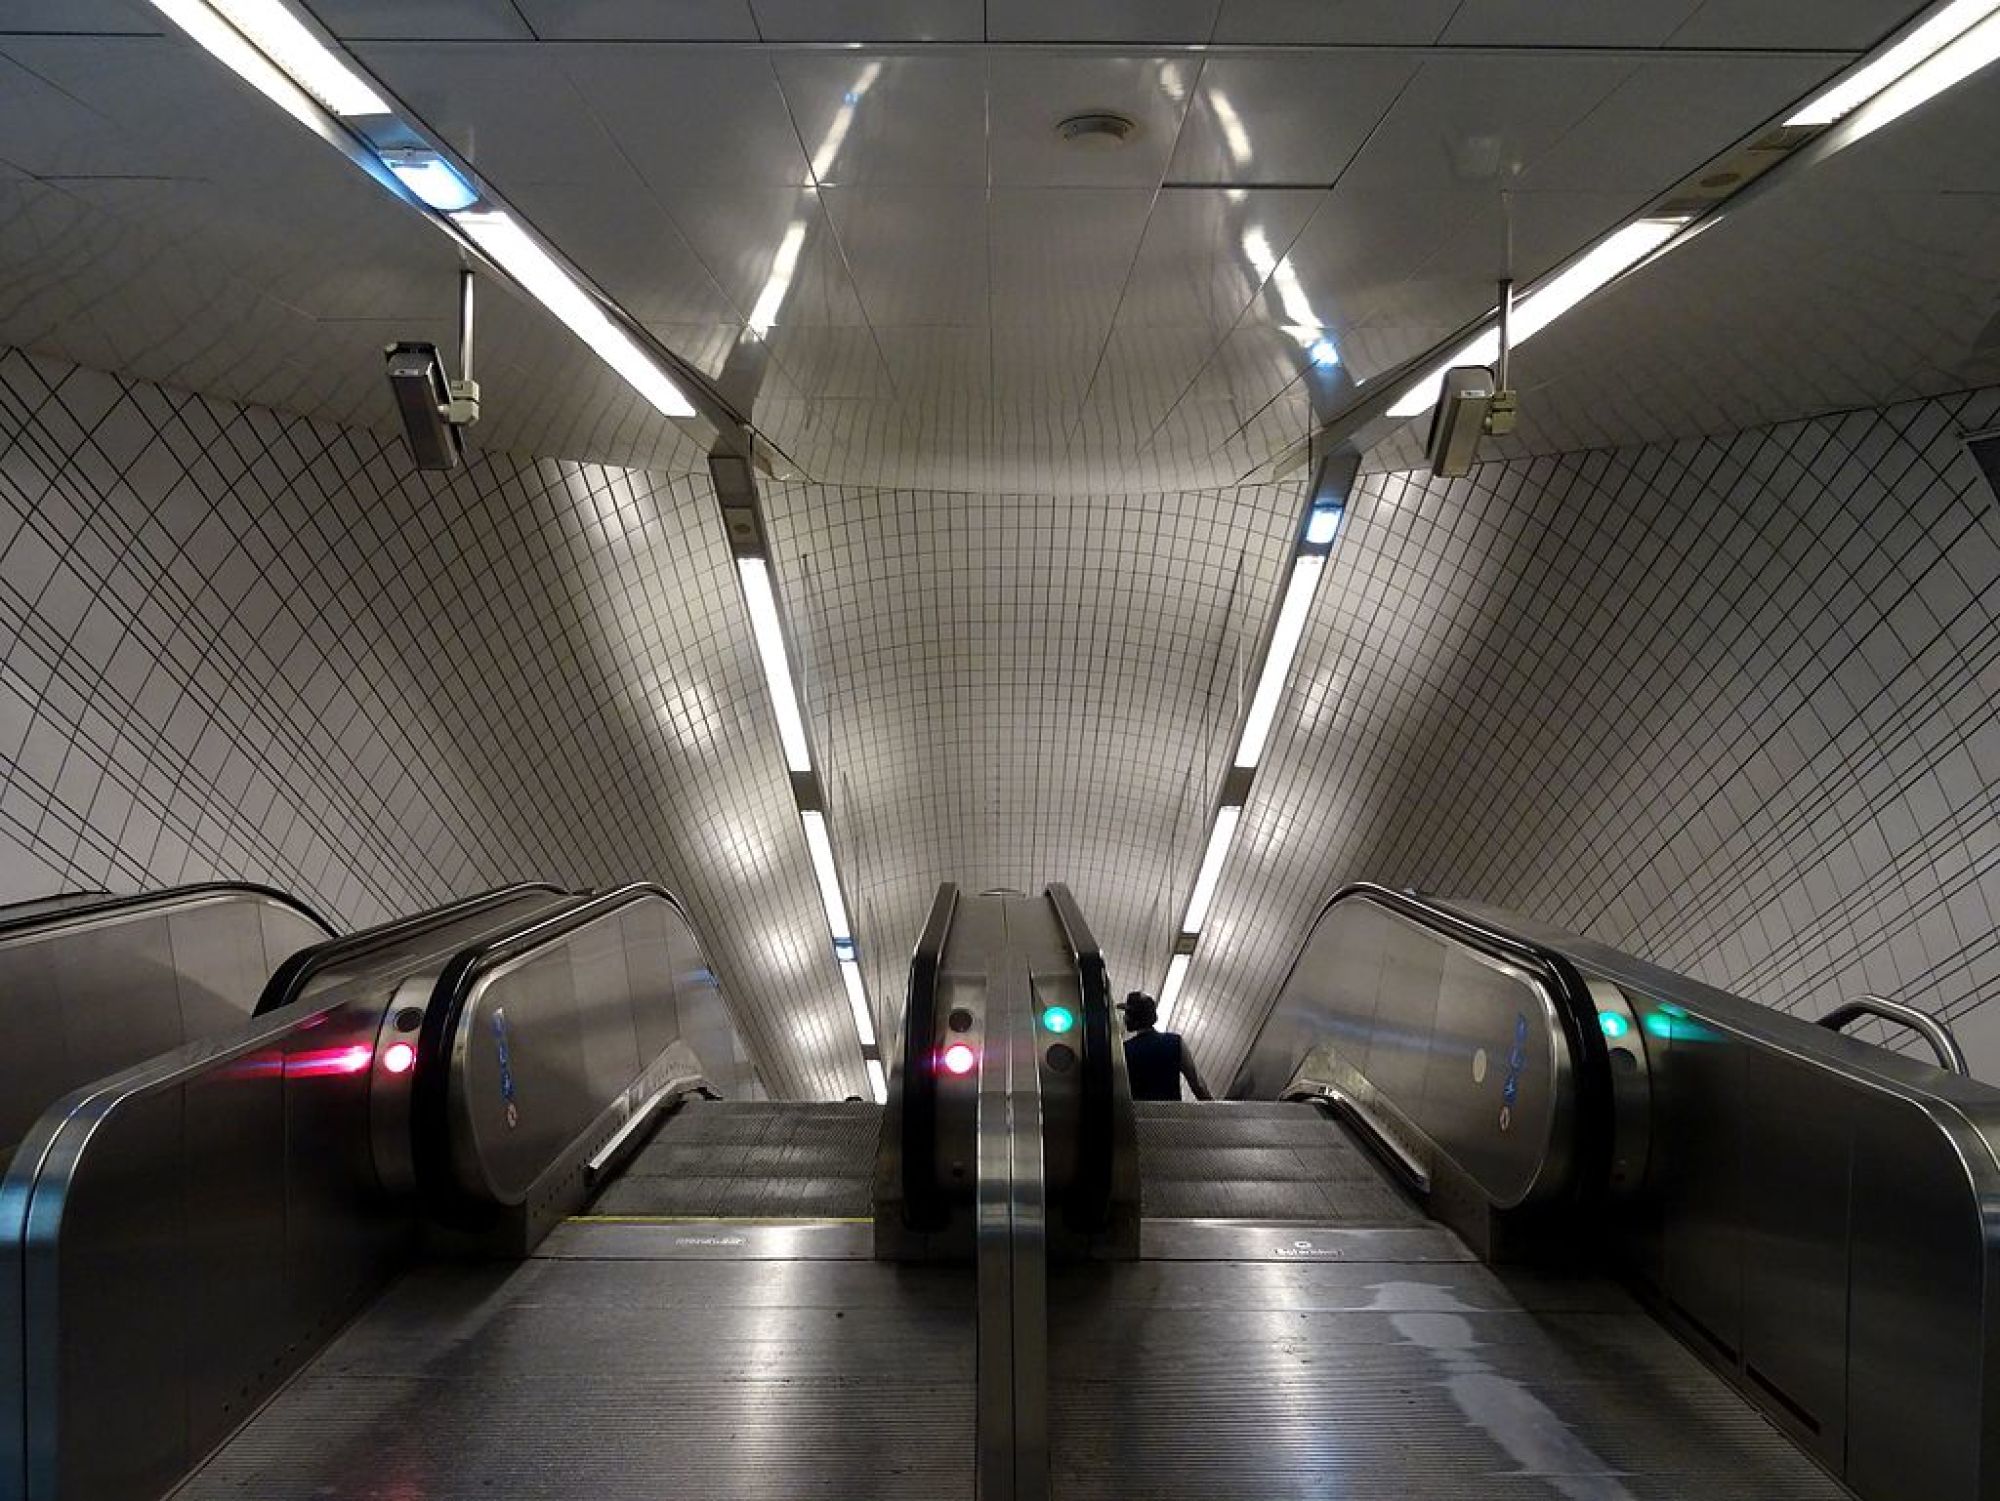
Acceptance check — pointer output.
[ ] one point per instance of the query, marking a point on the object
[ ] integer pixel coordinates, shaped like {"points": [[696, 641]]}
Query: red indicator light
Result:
{"points": [[399, 1058], [958, 1059], [317, 1063]]}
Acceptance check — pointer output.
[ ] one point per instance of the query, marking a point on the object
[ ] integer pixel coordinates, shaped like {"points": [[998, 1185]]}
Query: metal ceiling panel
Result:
{"points": [[1853, 24], [1566, 23], [1033, 92], [1207, 252], [918, 254], [1408, 23], [1285, 119], [74, 16], [868, 20], [443, 20], [868, 119], [1100, 20], [640, 20]]}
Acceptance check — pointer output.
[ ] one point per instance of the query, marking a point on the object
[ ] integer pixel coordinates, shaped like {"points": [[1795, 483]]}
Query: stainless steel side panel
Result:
{"points": [[1461, 1047], [92, 994], [548, 1044], [195, 1228]]}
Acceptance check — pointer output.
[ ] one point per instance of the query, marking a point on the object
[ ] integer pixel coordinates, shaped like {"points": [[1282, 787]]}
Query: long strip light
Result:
{"points": [[1603, 263], [1901, 61], [770, 637], [1277, 668], [821, 850], [1219, 834], [499, 236], [1177, 968], [235, 51]]}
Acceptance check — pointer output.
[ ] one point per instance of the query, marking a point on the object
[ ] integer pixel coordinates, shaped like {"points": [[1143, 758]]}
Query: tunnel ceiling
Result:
{"points": [[1022, 383]]}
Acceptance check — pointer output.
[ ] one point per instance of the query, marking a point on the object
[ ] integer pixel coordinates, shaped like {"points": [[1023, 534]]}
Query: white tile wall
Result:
{"points": [[1730, 703], [240, 644]]}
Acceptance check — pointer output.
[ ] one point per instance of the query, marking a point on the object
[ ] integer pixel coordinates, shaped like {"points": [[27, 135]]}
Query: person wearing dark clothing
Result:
{"points": [[1156, 1061]]}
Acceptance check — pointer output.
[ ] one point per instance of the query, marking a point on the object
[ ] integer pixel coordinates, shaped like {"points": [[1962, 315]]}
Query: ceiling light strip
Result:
{"points": [[769, 632], [1901, 58], [270, 47], [1313, 542]]}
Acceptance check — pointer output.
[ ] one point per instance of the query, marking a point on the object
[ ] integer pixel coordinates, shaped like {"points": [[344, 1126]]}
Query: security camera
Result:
{"points": [[1459, 419], [423, 396]]}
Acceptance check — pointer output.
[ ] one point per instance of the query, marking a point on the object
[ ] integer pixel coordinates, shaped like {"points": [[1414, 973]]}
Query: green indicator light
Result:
{"points": [[1058, 1019], [1614, 1025]]}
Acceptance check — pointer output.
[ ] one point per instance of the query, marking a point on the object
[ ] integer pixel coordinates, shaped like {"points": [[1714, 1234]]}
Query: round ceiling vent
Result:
{"points": [[1097, 130]]}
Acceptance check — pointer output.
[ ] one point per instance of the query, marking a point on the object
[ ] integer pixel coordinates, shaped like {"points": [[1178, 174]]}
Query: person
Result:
{"points": [[1156, 1061]]}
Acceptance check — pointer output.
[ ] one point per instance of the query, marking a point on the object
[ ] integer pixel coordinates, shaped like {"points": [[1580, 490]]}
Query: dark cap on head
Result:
{"points": [[1140, 1009]]}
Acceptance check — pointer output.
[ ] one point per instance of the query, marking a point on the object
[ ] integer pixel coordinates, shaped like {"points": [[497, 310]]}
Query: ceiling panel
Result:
{"points": [[458, 20], [1100, 20], [633, 248], [918, 254], [1465, 122], [769, 250], [1855, 24], [1285, 119], [1062, 256], [1410, 23], [1207, 251], [692, 116], [868, 20], [1566, 23], [640, 20], [1031, 93], [868, 119]]}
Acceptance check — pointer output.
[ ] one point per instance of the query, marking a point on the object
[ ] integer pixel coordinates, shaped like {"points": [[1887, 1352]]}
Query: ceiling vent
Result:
{"points": [[1098, 130]]}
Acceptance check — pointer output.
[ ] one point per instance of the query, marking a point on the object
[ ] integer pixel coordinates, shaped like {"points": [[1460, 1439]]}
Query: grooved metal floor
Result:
{"points": [[634, 1362], [1325, 1361], [1260, 1162], [734, 1160]]}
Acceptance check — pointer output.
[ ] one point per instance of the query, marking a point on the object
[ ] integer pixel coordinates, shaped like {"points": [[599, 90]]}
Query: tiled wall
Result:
{"points": [[239, 644], [1731, 703]]}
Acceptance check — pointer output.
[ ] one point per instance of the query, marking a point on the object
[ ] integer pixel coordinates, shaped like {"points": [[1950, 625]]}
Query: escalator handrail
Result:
{"points": [[921, 1208], [292, 977], [430, 1087], [93, 911], [1592, 1137], [1090, 1208], [1934, 1030]]}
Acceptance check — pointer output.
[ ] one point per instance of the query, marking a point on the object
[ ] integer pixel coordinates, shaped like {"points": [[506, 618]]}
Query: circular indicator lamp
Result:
{"points": [[1614, 1025], [1059, 1019], [958, 1059], [399, 1058]]}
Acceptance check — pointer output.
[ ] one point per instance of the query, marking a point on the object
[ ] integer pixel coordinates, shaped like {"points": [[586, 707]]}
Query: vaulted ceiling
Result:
{"points": [[1028, 393]]}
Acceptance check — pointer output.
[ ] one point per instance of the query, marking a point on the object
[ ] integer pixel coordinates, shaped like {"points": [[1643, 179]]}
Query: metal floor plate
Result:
{"points": [[1332, 1359], [1260, 1162], [629, 1379], [751, 1161]]}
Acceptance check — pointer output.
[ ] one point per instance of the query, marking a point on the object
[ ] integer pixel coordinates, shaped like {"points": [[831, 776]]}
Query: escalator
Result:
{"points": [[485, 1203], [1496, 1211]]}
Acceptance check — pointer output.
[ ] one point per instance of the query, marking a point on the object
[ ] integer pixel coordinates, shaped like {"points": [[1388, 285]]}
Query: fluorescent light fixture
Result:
{"points": [[1903, 58], [1219, 835], [1323, 523], [1177, 968], [501, 237], [1947, 68], [234, 51], [878, 1082], [1604, 262], [770, 637], [857, 1003], [1285, 640], [283, 41], [433, 179], [821, 849]]}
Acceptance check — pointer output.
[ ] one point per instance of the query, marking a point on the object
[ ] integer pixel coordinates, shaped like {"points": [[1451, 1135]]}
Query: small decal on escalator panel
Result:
{"points": [[509, 1109]]}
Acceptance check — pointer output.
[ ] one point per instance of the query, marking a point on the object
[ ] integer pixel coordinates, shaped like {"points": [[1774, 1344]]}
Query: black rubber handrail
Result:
{"points": [[302, 968], [90, 911], [430, 1087], [1090, 1202], [923, 1206], [1591, 1144]]}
